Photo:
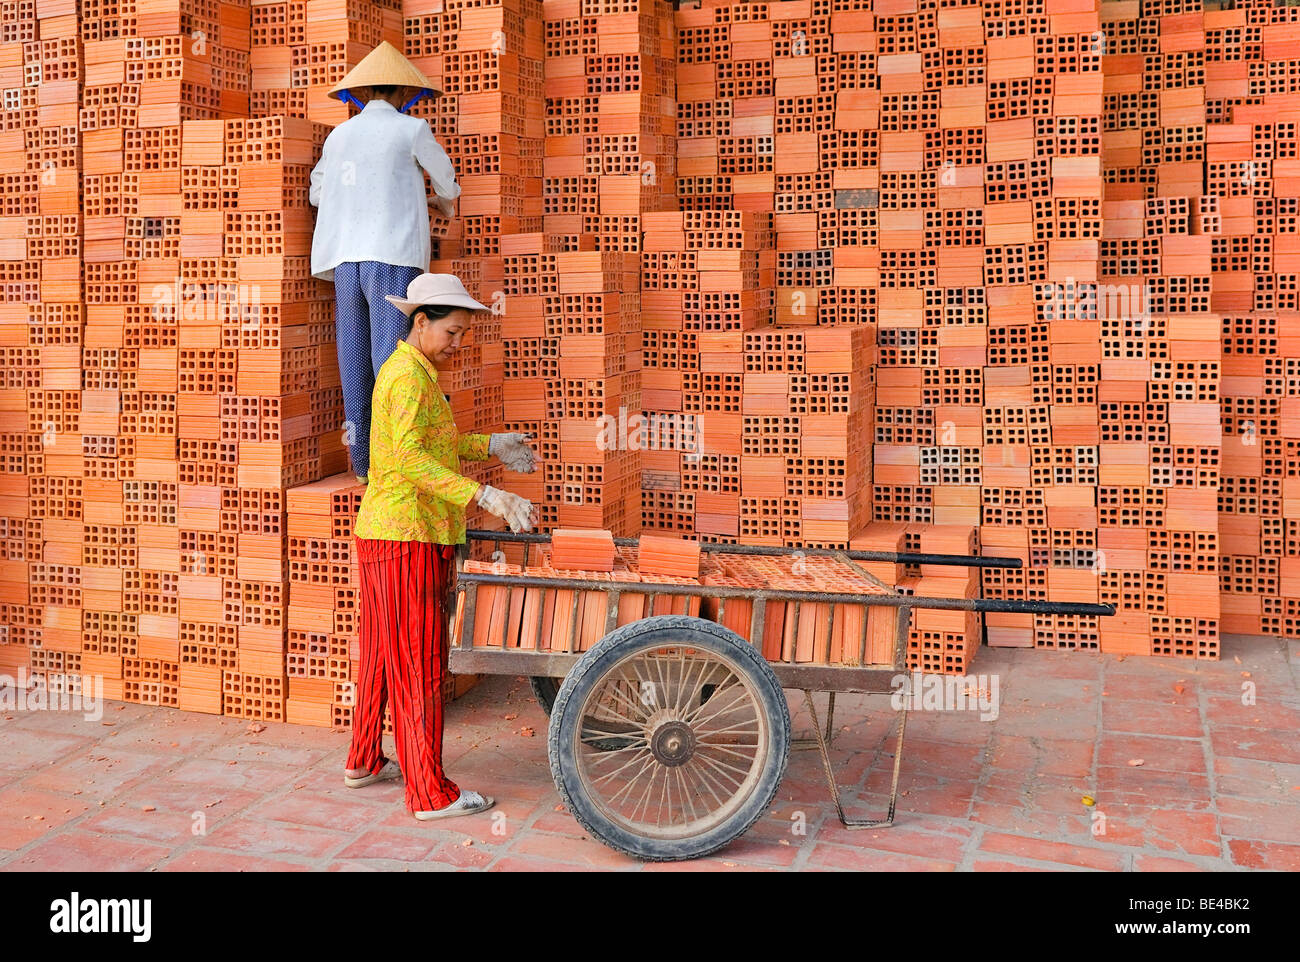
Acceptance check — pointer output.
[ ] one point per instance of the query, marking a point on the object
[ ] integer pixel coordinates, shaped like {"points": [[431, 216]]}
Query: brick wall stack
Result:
{"points": [[1013, 276], [1251, 62]]}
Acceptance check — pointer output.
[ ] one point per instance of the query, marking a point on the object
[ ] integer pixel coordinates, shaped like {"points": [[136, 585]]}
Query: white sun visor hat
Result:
{"points": [[430, 290]]}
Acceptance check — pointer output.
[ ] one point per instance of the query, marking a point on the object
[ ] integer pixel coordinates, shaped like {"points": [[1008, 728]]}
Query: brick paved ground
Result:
{"points": [[1219, 787]]}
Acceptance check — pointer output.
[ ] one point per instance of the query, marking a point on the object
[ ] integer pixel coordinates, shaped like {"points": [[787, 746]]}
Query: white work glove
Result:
{"points": [[514, 510], [514, 452]]}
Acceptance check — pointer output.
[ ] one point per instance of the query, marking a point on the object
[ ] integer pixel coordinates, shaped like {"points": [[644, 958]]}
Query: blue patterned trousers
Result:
{"points": [[367, 328]]}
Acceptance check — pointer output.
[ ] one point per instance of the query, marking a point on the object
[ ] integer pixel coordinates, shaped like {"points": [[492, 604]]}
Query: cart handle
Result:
{"points": [[902, 558]]}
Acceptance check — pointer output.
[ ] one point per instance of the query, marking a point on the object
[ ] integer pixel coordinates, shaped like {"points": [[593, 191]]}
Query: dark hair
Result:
{"points": [[433, 312], [383, 90]]}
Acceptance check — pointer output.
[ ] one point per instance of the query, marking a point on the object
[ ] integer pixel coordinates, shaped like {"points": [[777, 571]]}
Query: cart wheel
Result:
{"points": [[697, 770], [544, 690]]}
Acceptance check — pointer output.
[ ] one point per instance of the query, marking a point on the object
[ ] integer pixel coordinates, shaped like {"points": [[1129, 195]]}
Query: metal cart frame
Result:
{"points": [[465, 658]]}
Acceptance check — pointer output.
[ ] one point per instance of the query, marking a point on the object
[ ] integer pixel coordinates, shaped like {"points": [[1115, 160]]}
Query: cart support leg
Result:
{"points": [[803, 744], [853, 824]]}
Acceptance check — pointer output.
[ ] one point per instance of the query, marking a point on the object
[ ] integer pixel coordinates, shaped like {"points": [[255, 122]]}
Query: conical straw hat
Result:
{"points": [[384, 65]]}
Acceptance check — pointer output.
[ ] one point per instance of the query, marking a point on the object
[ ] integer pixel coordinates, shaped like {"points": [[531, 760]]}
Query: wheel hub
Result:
{"points": [[673, 743]]}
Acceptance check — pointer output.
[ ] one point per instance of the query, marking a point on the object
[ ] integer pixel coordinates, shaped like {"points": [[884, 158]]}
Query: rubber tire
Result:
{"points": [[545, 691], [649, 633]]}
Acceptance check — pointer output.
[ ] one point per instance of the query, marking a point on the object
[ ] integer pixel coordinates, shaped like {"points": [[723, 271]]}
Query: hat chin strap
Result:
{"points": [[416, 99], [347, 98]]}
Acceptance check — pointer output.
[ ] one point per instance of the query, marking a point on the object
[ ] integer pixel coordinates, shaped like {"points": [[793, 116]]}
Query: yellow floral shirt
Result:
{"points": [[416, 491]]}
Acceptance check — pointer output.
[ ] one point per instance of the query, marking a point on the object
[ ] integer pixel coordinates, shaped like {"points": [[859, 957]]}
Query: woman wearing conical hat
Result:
{"points": [[372, 226]]}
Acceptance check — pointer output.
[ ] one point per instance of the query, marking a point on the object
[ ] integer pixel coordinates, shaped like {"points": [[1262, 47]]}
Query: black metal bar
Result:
{"points": [[905, 558], [820, 597]]}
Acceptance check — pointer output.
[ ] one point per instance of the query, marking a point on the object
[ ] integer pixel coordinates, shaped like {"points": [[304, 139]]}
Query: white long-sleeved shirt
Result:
{"points": [[369, 189]]}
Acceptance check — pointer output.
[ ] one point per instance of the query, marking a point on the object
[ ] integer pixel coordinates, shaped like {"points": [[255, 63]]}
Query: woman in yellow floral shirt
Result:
{"points": [[412, 516]]}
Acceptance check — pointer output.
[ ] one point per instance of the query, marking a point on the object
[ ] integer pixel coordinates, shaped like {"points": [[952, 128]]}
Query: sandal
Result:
{"points": [[469, 803], [390, 770]]}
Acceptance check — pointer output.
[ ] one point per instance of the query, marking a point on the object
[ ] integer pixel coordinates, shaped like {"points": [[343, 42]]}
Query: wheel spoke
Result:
{"points": [[718, 769], [729, 728], [630, 762], [704, 664], [684, 788], [639, 709], [702, 775], [632, 780], [712, 700], [729, 751], [644, 804], [662, 692], [641, 682], [735, 704], [684, 671], [665, 799], [719, 764], [632, 692], [601, 733], [605, 755]]}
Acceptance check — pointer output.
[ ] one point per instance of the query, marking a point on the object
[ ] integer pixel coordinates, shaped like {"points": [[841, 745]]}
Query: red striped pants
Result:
{"points": [[405, 587]]}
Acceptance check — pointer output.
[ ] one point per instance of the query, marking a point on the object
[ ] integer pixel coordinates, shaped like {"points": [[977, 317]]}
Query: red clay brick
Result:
{"points": [[390, 844], [26, 815], [585, 853], [247, 834], [1159, 863], [76, 851], [1164, 754], [1150, 718], [827, 856], [1270, 856], [1048, 851], [216, 860]]}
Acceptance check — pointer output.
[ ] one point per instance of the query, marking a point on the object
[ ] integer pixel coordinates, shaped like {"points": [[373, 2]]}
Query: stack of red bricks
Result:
{"points": [[158, 625], [941, 174], [574, 401], [609, 164], [42, 490], [272, 416], [40, 317], [995, 276], [488, 61], [754, 432], [574, 620], [1251, 64], [297, 50], [1160, 371]]}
